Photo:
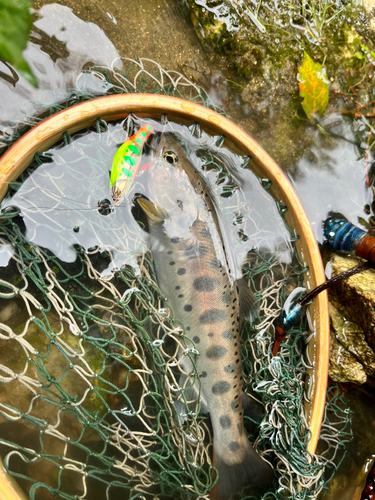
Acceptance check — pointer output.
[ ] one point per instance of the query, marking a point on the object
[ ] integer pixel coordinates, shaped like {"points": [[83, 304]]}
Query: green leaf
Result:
{"points": [[364, 48], [313, 87], [360, 56], [372, 53], [15, 26], [363, 222]]}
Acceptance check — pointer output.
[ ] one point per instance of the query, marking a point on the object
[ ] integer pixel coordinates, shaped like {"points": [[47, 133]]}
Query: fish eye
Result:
{"points": [[170, 157]]}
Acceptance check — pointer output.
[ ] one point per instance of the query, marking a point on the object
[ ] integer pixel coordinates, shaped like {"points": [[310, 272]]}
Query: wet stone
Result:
{"points": [[351, 358], [356, 295]]}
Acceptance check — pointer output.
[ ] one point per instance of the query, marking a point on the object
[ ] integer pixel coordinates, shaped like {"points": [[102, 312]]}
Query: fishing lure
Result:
{"points": [[126, 162]]}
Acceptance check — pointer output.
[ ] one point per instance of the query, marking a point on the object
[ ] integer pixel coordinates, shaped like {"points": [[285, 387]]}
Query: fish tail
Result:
{"points": [[253, 470]]}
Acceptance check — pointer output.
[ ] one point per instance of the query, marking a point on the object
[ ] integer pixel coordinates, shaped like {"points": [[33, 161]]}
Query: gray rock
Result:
{"points": [[355, 296], [351, 358], [343, 366]]}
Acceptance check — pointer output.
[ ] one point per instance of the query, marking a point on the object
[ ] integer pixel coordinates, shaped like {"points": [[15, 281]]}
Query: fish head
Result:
{"points": [[171, 173]]}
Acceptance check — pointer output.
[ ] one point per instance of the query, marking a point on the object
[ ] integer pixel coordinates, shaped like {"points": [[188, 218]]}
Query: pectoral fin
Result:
{"points": [[153, 212]]}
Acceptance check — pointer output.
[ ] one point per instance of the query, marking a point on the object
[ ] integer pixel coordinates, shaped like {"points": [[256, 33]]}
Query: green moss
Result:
{"points": [[55, 269], [17, 280]]}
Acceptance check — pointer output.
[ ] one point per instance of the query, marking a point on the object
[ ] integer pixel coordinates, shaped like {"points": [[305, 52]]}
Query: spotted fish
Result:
{"points": [[126, 162], [194, 271]]}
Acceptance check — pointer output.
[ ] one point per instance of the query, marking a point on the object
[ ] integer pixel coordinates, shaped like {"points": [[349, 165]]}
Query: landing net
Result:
{"points": [[89, 364]]}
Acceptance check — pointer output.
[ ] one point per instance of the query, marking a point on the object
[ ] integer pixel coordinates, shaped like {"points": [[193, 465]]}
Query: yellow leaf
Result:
{"points": [[313, 87]]}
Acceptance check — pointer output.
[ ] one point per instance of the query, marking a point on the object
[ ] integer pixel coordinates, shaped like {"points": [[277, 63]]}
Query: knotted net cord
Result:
{"points": [[89, 363]]}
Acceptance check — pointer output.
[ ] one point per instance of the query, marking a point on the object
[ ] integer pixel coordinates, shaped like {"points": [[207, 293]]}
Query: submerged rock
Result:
{"points": [[343, 366], [264, 46], [356, 295], [351, 358], [352, 313]]}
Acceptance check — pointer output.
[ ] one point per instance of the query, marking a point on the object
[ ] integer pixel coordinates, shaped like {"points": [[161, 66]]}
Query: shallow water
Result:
{"points": [[60, 201], [327, 172], [326, 164]]}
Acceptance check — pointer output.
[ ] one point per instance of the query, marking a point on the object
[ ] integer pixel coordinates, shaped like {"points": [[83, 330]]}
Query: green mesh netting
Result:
{"points": [[89, 350]]}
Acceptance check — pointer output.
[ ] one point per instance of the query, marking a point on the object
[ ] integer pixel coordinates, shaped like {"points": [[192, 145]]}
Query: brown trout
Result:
{"points": [[194, 267]]}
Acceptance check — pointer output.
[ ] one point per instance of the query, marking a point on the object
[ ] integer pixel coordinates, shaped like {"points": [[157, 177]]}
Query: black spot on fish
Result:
{"points": [[180, 296], [175, 240], [227, 335], [221, 387], [225, 422], [204, 374], [181, 271], [169, 252], [205, 284], [234, 446], [188, 328], [210, 334], [178, 287], [212, 316], [195, 251], [234, 405], [172, 263], [229, 369], [216, 352], [225, 298], [188, 308], [205, 233], [215, 263], [196, 339]]}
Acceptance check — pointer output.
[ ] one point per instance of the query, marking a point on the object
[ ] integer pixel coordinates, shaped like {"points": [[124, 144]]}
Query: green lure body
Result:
{"points": [[126, 162]]}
